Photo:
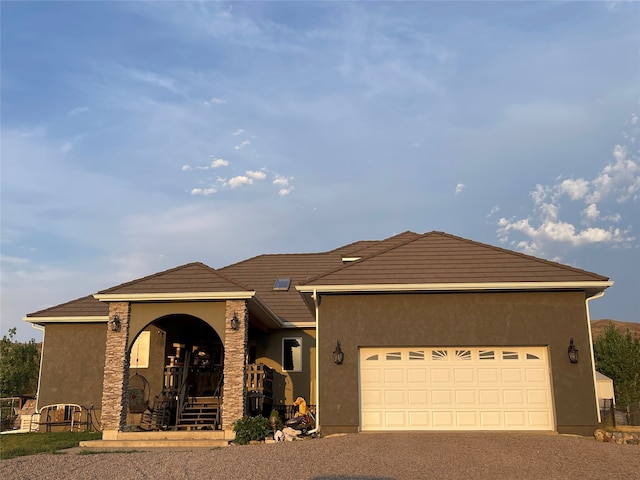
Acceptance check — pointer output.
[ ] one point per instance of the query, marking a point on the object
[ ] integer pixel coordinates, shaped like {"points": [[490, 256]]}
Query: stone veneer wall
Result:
{"points": [[116, 370], [235, 368]]}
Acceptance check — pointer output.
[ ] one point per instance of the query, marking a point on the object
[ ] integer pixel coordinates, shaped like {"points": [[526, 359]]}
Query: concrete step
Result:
{"points": [[133, 444]]}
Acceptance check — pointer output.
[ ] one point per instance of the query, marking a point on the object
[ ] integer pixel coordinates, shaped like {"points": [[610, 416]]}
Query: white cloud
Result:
{"points": [[591, 212], [203, 191], [620, 180], [617, 183], [284, 185], [66, 147], [239, 131], [575, 189], [256, 175], [186, 168], [242, 144], [460, 187], [239, 181], [219, 162]]}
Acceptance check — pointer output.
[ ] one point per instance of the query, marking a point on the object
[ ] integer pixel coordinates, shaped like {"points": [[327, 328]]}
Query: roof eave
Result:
{"points": [[595, 286], [67, 319], [173, 296]]}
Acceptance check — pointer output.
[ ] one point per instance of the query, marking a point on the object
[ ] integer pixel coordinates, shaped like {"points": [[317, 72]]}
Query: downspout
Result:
{"points": [[317, 304], [593, 359], [42, 329]]}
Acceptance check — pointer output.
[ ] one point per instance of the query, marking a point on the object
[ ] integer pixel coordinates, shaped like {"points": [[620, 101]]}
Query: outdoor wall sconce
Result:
{"points": [[116, 324], [338, 354], [573, 352], [235, 322]]}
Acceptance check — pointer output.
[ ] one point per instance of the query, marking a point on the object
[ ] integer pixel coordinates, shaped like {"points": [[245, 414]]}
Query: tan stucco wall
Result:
{"points": [[287, 386], [73, 364], [154, 374], [471, 319]]}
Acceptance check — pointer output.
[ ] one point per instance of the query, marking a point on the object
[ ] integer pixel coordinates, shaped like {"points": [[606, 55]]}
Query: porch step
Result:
{"points": [[200, 413], [133, 444], [164, 439]]}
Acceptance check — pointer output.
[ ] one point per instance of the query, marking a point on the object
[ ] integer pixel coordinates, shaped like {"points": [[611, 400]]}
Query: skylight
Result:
{"points": [[282, 283]]}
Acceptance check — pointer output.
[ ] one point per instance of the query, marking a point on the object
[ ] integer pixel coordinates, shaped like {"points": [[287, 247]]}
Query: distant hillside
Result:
{"points": [[598, 326]]}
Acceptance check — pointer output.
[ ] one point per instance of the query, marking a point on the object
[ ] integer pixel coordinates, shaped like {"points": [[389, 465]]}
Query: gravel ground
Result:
{"points": [[379, 456]]}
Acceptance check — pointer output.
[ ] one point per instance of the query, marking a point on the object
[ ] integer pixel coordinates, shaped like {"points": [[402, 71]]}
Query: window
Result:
{"points": [[282, 283], [394, 356], [487, 355], [509, 355], [463, 354], [292, 354], [416, 355], [438, 355], [139, 357]]}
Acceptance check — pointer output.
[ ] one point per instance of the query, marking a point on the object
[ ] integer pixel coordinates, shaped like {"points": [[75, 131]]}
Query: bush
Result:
{"points": [[248, 429]]}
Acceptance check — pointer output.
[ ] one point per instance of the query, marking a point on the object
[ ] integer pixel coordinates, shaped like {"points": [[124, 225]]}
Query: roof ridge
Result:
{"points": [[357, 262], [171, 270]]}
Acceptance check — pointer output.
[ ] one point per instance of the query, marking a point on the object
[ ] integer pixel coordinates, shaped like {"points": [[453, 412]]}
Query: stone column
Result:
{"points": [[235, 368], [116, 373]]}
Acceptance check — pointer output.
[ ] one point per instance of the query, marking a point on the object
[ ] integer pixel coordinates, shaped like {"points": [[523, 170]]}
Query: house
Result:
{"points": [[415, 332]]}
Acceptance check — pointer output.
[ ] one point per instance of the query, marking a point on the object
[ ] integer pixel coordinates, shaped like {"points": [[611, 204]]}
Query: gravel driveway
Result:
{"points": [[376, 456]]}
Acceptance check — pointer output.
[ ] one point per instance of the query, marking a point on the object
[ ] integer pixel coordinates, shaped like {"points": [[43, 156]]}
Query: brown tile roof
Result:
{"points": [[189, 278], [438, 257], [260, 273], [82, 307], [407, 258]]}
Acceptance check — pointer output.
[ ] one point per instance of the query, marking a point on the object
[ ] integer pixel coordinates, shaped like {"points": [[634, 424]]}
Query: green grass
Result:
{"points": [[97, 452], [21, 444]]}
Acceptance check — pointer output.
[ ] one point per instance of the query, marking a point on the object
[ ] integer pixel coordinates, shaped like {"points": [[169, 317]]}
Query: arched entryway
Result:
{"points": [[181, 357]]}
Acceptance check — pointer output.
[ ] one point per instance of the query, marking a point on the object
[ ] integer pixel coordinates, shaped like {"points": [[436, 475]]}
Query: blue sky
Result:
{"points": [[139, 136]]}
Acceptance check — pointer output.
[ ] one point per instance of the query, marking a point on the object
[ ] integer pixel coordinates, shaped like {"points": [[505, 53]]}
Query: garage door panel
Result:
{"points": [[441, 397], [465, 397], [417, 375], [372, 398], [395, 420], [489, 397], [512, 397], [466, 419], [535, 375], [464, 375], [490, 419], [419, 419], [418, 397], [394, 375], [455, 388], [511, 375], [537, 397], [440, 375], [394, 397], [443, 419], [515, 419]]}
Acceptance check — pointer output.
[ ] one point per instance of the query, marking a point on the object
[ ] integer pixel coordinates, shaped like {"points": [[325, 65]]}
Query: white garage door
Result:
{"points": [[455, 389]]}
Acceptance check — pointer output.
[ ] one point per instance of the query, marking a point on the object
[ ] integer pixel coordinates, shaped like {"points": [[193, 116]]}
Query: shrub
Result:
{"points": [[251, 428]]}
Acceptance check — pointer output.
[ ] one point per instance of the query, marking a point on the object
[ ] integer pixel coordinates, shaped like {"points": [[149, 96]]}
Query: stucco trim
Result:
{"points": [[442, 287], [40, 320], [154, 297]]}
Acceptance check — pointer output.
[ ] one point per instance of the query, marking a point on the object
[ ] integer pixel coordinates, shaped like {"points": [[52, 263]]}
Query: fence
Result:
{"points": [[614, 415]]}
